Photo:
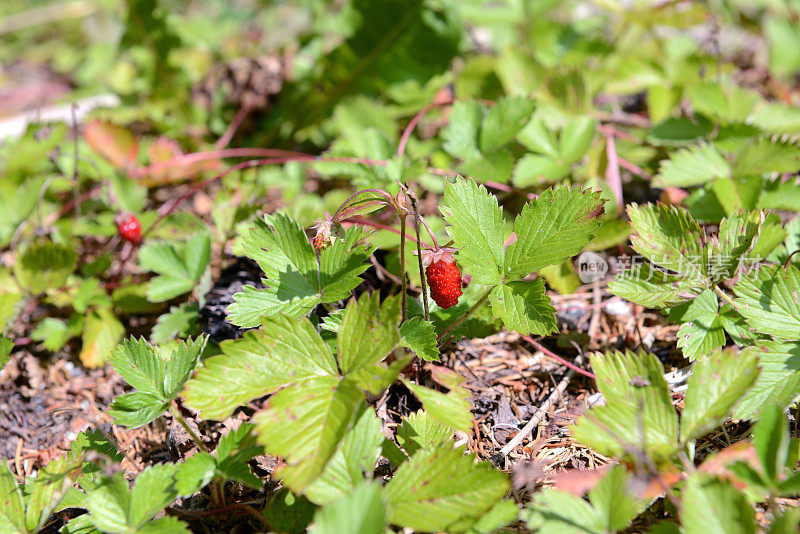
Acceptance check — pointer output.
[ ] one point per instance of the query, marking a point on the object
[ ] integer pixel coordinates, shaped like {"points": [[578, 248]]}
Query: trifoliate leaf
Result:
{"points": [[115, 508], [285, 350], [718, 381], [552, 228], [179, 266], [295, 281], [443, 490], [769, 299], [158, 373], [524, 307], [504, 120], [419, 336], [305, 423], [368, 331], [732, 513], [477, 227], [637, 399], [360, 511], [779, 379], [692, 166]]}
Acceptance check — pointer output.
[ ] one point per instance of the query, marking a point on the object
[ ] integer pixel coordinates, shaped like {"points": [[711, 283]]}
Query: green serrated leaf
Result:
{"points": [[715, 506], [288, 513], [368, 331], [461, 133], [356, 456], [451, 409], [419, 336], [45, 491], [576, 138], [361, 511], [443, 490], [504, 120], [767, 156], [477, 227], [179, 266], [179, 321], [611, 508], [654, 288], [769, 299], [524, 307], [551, 229], [421, 431], [717, 383], [701, 331], [738, 235], [305, 424], [638, 414], [779, 379], [692, 166], [282, 352], [535, 169], [668, 237]]}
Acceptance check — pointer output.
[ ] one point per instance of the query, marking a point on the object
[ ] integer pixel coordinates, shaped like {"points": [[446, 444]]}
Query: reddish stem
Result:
{"points": [[195, 157], [237, 121], [612, 172], [401, 148], [558, 358], [379, 226]]}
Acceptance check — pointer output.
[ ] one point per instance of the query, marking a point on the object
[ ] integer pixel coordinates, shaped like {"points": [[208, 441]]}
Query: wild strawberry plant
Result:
{"points": [[600, 102]]}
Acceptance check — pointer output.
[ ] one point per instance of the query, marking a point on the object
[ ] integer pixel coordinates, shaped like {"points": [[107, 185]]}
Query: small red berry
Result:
{"points": [[444, 281], [129, 229]]}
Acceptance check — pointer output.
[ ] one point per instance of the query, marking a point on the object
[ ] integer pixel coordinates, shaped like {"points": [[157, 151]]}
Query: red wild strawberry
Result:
{"points": [[444, 281], [129, 229]]}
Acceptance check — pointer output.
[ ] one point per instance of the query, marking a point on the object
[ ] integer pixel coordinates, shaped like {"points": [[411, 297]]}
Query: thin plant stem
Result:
{"points": [[179, 418], [724, 296], [464, 317], [237, 121], [430, 232], [401, 148], [378, 226], [558, 358], [403, 280], [422, 280]]}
